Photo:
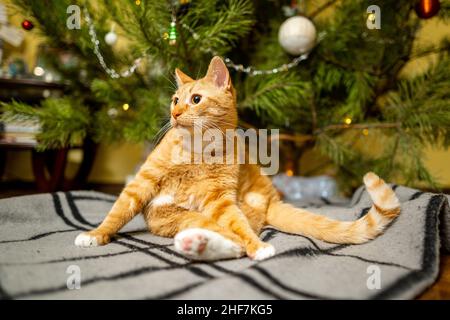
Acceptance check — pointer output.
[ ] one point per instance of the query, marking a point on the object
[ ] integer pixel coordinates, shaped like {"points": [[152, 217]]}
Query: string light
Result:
{"points": [[130, 70], [371, 17], [289, 172], [237, 67], [249, 69], [348, 120], [38, 71], [110, 71], [112, 112]]}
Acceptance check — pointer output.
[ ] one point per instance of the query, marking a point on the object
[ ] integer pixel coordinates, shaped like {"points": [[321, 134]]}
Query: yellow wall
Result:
{"points": [[433, 30], [115, 162]]}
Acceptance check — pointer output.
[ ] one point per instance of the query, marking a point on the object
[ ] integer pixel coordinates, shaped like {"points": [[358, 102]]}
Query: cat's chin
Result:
{"points": [[180, 126], [174, 124], [177, 124]]}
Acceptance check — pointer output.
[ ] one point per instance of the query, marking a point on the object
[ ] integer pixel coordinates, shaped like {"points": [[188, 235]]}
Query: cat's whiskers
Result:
{"points": [[161, 133], [212, 125], [223, 124], [174, 86]]}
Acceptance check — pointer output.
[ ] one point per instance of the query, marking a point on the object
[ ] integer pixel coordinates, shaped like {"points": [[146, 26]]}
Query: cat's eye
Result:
{"points": [[196, 98], [175, 101]]}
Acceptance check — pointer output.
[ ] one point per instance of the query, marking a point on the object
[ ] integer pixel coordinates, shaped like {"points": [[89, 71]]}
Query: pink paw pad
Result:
{"points": [[195, 243], [205, 245]]}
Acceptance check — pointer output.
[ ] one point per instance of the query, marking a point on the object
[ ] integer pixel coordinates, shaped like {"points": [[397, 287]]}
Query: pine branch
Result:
{"points": [[63, 122], [319, 10], [267, 94], [358, 126], [224, 25]]}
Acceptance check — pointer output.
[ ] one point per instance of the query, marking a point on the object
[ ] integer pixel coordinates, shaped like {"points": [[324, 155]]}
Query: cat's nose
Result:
{"points": [[176, 113]]}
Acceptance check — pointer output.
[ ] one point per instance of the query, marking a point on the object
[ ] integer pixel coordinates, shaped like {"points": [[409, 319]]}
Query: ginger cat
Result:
{"points": [[216, 211]]}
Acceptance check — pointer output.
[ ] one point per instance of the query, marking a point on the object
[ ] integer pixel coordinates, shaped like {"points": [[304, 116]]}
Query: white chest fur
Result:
{"points": [[166, 199]]}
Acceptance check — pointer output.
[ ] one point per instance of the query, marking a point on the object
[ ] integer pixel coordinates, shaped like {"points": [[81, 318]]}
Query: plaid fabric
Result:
{"points": [[38, 255]]}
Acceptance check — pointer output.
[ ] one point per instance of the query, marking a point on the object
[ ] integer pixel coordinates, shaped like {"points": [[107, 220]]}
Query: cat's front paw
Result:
{"points": [[262, 252], [91, 239]]}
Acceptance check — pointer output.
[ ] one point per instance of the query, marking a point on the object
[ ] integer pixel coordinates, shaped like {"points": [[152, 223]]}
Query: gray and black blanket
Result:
{"points": [[38, 259]]}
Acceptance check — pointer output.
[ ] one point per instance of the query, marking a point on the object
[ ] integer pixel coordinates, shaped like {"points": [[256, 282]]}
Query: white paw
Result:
{"points": [[207, 245], [264, 253], [85, 240]]}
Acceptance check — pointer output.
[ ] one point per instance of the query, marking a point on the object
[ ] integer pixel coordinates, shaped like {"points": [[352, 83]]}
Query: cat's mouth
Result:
{"points": [[180, 123]]}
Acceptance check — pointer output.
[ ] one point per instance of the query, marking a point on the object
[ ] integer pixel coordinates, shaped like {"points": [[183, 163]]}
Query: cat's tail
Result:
{"points": [[385, 208]]}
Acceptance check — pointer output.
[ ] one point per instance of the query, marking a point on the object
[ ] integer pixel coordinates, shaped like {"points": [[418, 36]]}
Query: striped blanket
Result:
{"points": [[38, 259]]}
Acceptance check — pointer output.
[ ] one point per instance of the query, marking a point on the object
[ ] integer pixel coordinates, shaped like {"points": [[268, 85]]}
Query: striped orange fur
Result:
{"points": [[234, 200]]}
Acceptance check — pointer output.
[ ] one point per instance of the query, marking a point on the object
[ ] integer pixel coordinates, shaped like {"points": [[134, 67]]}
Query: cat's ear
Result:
{"points": [[218, 73], [181, 77]]}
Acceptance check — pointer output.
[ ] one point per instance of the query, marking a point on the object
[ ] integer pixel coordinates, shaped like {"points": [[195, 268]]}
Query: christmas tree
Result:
{"points": [[334, 86]]}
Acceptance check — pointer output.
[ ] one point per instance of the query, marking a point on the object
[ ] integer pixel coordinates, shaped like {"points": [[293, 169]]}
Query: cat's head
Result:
{"points": [[209, 100]]}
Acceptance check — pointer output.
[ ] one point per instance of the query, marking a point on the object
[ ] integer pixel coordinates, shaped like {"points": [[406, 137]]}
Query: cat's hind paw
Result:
{"points": [[264, 253], [207, 245]]}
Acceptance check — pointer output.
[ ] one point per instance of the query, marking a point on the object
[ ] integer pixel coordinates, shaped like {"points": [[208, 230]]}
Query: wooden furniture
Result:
{"points": [[48, 166]]}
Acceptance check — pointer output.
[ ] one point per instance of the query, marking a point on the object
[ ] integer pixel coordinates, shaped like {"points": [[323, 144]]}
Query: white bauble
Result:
{"points": [[111, 38], [297, 35]]}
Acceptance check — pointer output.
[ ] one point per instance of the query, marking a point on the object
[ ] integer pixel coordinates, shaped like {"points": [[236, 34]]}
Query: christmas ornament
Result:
{"points": [[27, 25], [183, 7], [173, 33], [297, 35], [427, 8], [111, 72], [172, 37], [111, 37]]}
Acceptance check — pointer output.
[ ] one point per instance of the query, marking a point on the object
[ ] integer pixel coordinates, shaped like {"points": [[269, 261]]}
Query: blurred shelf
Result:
{"points": [[5, 144], [29, 90]]}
